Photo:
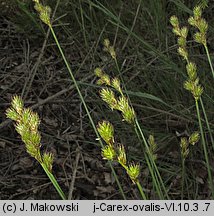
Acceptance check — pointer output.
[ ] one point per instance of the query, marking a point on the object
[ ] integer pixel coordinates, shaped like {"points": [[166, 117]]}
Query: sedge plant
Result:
{"points": [[26, 124], [200, 36], [123, 104], [45, 16], [117, 153], [192, 83], [184, 145]]}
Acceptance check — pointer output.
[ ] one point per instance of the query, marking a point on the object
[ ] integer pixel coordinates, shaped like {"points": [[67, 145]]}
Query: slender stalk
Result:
{"points": [[209, 59], [159, 180], [54, 182], [84, 104], [182, 177], [141, 190], [202, 105], [205, 149], [154, 177], [117, 180], [207, 122]]}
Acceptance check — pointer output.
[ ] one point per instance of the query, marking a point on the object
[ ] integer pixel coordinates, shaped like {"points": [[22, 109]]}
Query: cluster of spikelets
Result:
{"points": [[201, 24], [44, 12], [113, 95], [27, 123], [192, 83], [113, 152], [110, 49], [120, 103], [185, 143]]}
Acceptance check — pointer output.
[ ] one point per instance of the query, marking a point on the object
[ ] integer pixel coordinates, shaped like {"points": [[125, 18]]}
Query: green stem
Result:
{"points": [[205, 149], [141, 190], [149, 159], [207, 123], [209, 59], [154, 177], [182, 177], [159, 180], [84, 104], [117, 180], [54, 182]]}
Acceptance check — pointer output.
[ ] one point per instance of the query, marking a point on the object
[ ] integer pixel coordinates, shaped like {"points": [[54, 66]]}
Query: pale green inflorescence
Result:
{"points": [[111, 152], [194, 138], [128, 112], [104, 78], [106, 131], [192, 83], [44, 12], [201, 24], [108, 153], [152, 146], [27, 123], [121, 155], [107, 94], [115, 83], [184, 143], [110, 49], [133, 171], [184, 147], [182, 35]]}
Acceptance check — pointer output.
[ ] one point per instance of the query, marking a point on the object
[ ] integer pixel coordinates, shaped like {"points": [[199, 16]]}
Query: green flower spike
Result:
{"points": [[128, 112], [108, 96], [44, 12], [182, 35], [121, 155], [27, 123], [152, 146], [48, 160], [194, 138], [104, 78], [108, 153], [133, 171], [201, 24], [197, 92], [175, 23], [106, 131], [192, 83], [197, 12], [108, 48], [183, 52], [16, 109], [184, 147], [106, 43], [115, 83], [98, 72], [192, 71]]}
